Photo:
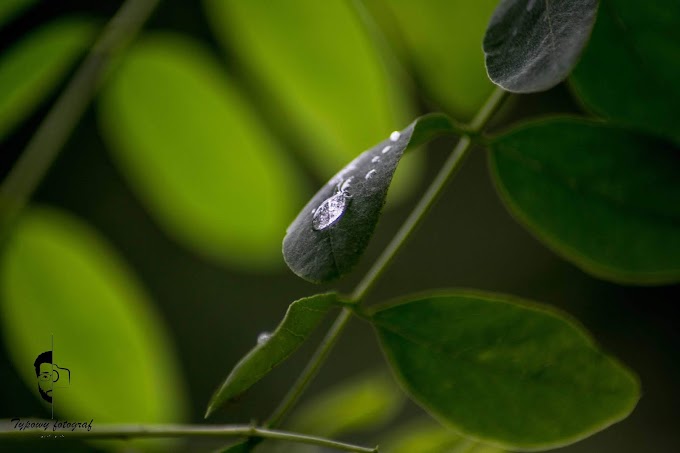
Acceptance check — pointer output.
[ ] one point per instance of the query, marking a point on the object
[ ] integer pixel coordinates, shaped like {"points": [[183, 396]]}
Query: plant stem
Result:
{"points": [[48, 140], [434, 191], [159, 431], [417, 215]]}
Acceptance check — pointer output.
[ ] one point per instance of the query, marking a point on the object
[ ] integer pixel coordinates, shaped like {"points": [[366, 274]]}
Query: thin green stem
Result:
{"points": [[448, 170], [114, 431], [311, 370], [417, 215], [48, 140]]}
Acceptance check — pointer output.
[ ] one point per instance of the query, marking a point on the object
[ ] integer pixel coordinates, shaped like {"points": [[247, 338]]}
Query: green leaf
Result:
{"points": [[300, 320], [332, 231], [363, 403], [604, 198], [244, 446], [31, 69], [426, 436], [629, 71], [314, 65], [61, 281], [442, 43], [508, 372], [9, 9], [197, 155], [532, 45]]}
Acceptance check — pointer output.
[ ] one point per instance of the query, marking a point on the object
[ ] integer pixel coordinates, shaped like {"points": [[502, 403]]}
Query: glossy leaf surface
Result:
{"points": [[606, 199], [332, 231], [504, 371], [197, 154], [301, 319], [532, 45]]}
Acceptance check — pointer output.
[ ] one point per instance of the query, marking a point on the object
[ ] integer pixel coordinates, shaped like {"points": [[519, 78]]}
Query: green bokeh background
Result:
{"points": [[214, 312]]}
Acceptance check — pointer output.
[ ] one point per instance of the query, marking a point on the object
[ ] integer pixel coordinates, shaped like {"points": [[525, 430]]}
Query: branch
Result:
{"points": [[115, 431]]}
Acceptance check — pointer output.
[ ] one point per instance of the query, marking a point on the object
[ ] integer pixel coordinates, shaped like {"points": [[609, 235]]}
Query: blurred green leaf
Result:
{"points": [[363, 403], [442, 39], [244, 446], [604, 198], [314, 65], [502, 370], [196, 153], [533, 45], [31, 69], [428, 436], [300, 320], [630, 70], [60, 279], [9, 9]]}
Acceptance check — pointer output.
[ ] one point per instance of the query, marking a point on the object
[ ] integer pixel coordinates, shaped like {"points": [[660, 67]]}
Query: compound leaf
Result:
{"points": [[300, 320], [532, 45], [504, 371], [604, 198], [332, 231]]}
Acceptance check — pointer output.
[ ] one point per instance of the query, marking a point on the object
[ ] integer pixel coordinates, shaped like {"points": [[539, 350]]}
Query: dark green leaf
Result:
{"points": [[301, 319], [606, 199], [11, 8], [532, 45], [331, 232], [30, 70], [428, 436], [630, 69], [361, 404], [60, 280], [504, 371], [244, 446], [197, 154], [441, 40]]}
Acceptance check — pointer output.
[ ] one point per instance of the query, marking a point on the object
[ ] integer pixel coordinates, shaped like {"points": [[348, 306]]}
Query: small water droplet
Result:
{"points": [[375, 159], [394, 136], [387, 148], [263, 337], [370, 174]]}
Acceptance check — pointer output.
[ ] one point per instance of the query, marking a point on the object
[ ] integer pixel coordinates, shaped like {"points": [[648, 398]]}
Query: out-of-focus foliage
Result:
{"points": [[9, 9], [441, 40], [362, 403], [427, 436], [32, 68], [61, 281], [197, 154]]}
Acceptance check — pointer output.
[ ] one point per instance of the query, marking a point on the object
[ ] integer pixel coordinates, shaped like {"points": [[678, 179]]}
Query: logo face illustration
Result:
{"points": [[48, 374]]}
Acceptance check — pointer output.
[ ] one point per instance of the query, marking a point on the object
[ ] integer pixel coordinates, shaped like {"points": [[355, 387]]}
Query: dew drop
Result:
{"points": [[370, 174], [332, 208], [394, 136], [263, 337], [375, 159], [387, 148]]}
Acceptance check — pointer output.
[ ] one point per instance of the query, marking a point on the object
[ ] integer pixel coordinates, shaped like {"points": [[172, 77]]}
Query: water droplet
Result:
{"points": [[375, 159], [332, 208], [370, 174], [387, 148], [263, 337], [530, 4], [394, 136]]}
